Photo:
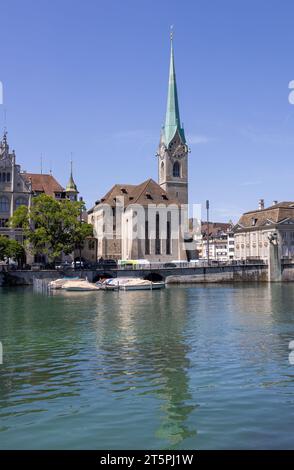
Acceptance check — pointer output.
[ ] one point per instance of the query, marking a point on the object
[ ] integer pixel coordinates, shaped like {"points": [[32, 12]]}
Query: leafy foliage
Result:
{"points": [[10, 248], [52, 227]]}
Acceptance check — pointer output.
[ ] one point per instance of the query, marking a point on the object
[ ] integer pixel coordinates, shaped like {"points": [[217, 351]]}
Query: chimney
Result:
{"points": [[261, 204], [275, 202]]}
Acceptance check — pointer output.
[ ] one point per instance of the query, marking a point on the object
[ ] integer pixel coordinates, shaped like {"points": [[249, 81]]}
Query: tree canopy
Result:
{"points": [[10, 248], [51, 226]]}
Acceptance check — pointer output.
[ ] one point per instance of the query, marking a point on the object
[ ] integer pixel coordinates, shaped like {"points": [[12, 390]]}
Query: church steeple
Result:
{"points": [[173, 150], [172, 118], [71, 187]]}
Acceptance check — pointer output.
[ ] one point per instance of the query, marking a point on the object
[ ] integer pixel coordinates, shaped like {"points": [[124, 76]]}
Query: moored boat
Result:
{"points": [[59, 283], [139, 284], [80, 285]]}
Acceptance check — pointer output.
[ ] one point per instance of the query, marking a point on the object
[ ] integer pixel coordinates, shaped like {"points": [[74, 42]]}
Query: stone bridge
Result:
{"points": [[177, 275]]}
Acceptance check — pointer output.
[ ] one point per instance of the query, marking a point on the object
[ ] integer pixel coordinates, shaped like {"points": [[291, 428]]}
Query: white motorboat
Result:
{"points": [[59, 283], [80, 285], [139, 284]]}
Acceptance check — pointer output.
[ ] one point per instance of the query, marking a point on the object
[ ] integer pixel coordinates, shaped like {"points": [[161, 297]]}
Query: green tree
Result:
{"points": [[16, 251], [10, 248], [52, 227], [4, 242]]}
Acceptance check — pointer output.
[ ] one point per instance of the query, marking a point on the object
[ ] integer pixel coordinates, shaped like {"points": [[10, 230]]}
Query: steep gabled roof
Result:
{"points": [[148, 192], [270, 216], [42, 183]]}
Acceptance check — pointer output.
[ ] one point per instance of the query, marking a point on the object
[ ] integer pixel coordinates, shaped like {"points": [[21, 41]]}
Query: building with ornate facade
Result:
{"points": [[144, 221], [256, 230], [17, 188]]}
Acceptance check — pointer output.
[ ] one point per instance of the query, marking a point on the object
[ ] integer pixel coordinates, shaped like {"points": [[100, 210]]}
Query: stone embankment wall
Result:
{"points": [[234, 273]]}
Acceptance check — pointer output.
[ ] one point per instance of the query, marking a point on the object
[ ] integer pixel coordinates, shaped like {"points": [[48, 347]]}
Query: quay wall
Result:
{"points": [[211, 274]]}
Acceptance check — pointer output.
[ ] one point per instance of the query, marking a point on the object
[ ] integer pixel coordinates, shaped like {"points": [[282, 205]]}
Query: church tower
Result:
{"points": [[71, 190], [173, 150]]}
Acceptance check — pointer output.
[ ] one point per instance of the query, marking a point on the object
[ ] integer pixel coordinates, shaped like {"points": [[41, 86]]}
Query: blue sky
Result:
{"points": [[90, 77]]}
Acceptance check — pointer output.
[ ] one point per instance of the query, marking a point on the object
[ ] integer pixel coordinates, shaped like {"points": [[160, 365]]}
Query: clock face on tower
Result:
{"points": [[179, 151]]}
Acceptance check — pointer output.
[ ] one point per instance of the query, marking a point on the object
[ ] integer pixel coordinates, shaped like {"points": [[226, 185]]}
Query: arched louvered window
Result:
{"points": [[176, 169], [162, 170]]}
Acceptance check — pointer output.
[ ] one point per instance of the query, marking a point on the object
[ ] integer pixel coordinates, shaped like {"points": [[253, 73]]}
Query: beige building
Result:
{"points": [[137, 222], [221, 241], [255, 231]]}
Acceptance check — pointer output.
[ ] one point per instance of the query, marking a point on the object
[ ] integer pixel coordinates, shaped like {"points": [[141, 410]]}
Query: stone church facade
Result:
{"points": [[146, 221]]}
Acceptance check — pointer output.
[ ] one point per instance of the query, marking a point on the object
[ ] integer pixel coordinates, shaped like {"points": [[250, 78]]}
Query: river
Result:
{"points": [[189, 367]]}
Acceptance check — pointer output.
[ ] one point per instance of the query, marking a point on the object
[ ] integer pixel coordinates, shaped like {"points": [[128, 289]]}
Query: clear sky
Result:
{"points": [[90, 77]]}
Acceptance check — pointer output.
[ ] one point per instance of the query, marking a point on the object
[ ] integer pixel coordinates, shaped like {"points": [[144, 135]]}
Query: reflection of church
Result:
{"points": [[170, 192]]}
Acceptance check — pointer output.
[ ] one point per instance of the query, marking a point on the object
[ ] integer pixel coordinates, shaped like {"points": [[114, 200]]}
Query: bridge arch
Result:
{"points": [[154, 277]]}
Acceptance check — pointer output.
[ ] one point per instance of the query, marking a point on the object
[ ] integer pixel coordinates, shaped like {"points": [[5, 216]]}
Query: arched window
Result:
{"points": [[4, 204], [176, 169], [21, 201], [162, 170]]}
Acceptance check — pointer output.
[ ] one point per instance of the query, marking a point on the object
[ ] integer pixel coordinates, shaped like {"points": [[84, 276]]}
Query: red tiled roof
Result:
{"points": [[273, 214], [43, 183], [148, 192]]}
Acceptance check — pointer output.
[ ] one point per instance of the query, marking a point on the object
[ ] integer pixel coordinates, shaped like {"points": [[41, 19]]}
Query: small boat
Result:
{"points": [[158, 285], [139, 284], [80, 285], [59, 283], [110, 284]]}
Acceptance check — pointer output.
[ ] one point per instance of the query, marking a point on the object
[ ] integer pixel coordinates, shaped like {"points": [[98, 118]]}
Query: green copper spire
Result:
{"points": [[172, 118], [71, 185]]}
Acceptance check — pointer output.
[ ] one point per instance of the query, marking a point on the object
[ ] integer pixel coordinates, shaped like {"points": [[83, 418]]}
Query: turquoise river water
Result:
{"points": [[193, 367]]}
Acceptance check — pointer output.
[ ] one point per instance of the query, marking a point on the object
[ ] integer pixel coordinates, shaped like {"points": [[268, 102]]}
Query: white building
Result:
{"points": [[256, 229]]}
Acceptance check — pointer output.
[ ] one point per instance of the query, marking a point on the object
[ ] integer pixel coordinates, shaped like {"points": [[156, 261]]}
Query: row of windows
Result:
{"points": [[5, 204], [4, 177]]}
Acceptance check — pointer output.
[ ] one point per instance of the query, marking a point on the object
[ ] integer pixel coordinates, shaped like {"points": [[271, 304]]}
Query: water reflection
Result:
{"points": [[144, 349], [188, 367]]}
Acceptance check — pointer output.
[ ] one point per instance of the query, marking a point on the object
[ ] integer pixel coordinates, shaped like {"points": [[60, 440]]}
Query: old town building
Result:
{"points": [[256, 229], [221, 241]]}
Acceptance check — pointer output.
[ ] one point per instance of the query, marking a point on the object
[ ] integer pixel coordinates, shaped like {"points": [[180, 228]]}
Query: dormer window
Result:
{"points": [[148, 196], [124, 191], [164, 196], [253, 221]]}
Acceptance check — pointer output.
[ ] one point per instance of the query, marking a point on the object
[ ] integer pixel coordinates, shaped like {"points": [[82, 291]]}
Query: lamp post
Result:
{"points": [[80, 247], [207, 237]]}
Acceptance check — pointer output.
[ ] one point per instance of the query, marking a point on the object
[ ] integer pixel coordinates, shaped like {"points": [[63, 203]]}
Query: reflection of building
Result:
{"points": [[163, 244], [255, 229], [146, 353], [221, 241]]}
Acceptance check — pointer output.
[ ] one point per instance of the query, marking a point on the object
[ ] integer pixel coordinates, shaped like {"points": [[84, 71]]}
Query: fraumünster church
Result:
{"points": [[115, 232]]}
